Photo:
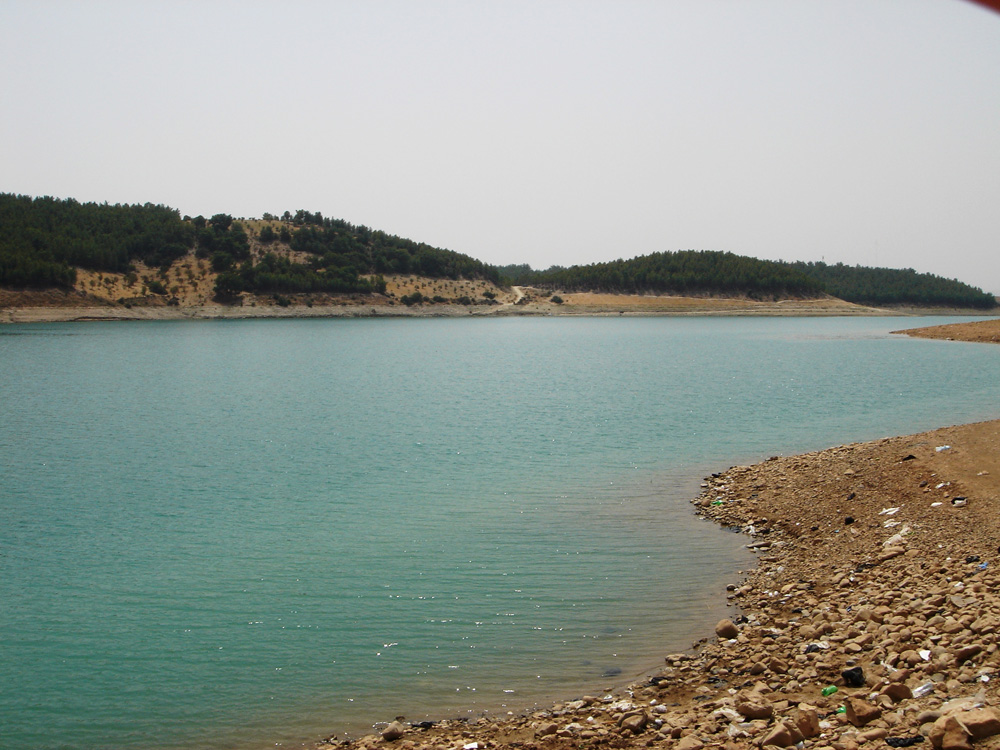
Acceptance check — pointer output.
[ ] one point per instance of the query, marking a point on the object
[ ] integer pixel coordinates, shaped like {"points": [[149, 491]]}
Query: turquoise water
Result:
{"points": [[249, 533]]}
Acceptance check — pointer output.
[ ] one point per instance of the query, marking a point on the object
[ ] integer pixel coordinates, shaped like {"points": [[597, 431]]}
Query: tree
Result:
{"points": [[221, 222]]}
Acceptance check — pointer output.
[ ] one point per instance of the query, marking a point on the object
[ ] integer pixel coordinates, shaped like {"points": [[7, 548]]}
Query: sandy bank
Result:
{"points": [[878, 574], [984, 331], [579, 305]]}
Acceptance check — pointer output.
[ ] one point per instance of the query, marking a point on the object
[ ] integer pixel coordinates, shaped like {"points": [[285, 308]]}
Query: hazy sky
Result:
{"points": [[541, 132]]}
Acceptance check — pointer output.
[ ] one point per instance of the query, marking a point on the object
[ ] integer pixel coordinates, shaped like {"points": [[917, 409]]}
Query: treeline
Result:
{"points": [[685, 272], [889, 286], [43, 240]]}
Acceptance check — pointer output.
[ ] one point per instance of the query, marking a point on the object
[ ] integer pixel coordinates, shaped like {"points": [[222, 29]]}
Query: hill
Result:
{"points": [[64, 254], [890, 286], [150, 255], [686, 272], [711, 272]]}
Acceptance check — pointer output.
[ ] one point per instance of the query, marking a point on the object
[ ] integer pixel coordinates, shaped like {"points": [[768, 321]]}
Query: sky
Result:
{"points": [[541, 131]]}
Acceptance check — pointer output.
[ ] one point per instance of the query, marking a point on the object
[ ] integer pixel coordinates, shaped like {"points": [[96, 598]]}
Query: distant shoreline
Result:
{"points": [[581, 305]]}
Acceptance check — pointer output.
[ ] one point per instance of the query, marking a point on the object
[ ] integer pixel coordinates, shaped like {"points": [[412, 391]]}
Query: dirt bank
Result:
{"points": [[68, 307], [985, 331], [878, 576]]}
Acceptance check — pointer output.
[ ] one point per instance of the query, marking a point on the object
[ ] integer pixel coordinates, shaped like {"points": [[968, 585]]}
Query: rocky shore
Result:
{"points": [[982, 331], [870, 621]]}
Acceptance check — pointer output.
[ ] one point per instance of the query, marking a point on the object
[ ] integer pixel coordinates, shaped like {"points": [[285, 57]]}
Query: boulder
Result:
{"points": [[393, 732], [544, 730], [807, 721], [980, 723], [634, 723], [753, 706], [781, 735], [861, 712], [726, 629], [967, 652], [690, 742], [948, 734], [897, 691]]}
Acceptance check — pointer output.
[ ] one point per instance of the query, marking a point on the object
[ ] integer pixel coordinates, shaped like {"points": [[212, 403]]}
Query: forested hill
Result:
{"points": [[701, 272], [44, 240], [890, 286], [686, 272]]}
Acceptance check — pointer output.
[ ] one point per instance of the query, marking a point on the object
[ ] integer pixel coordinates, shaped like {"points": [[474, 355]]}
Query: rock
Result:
{"points": [[897, 691], [861, 712], [980, 723], [873, 734], [544, 730], [928, 717], [752, 706], [689, 743], [634, 723], [948, 734], [726, 629], [966, 653], [807, 721], [393, 732], [781, 735]]}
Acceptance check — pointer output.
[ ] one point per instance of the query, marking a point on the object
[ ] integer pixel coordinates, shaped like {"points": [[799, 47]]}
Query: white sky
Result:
{"points": [[541, 132]]}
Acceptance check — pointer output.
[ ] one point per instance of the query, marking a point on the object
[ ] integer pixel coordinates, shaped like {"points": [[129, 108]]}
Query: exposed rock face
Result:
{"points": [[843, 645]]}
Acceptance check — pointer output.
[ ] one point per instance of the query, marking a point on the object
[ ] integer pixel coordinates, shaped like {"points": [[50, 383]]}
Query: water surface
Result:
{"points": [[242, 533]]}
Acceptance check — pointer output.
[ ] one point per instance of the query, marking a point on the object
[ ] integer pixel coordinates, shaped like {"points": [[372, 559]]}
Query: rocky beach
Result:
{"points": [[980, 331], [870, 619]]}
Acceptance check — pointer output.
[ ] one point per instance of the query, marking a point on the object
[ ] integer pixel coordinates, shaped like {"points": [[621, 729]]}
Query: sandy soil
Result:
{"points": [[872, 614], [985, 331], [115, 297]]}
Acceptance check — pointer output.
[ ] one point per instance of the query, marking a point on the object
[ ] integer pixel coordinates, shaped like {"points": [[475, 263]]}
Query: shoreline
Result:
{"points": [[876, 574], [980, 331], [667, 307]]}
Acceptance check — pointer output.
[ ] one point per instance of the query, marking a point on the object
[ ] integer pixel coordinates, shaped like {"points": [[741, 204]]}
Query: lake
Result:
{"points": [[223, 534]]}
